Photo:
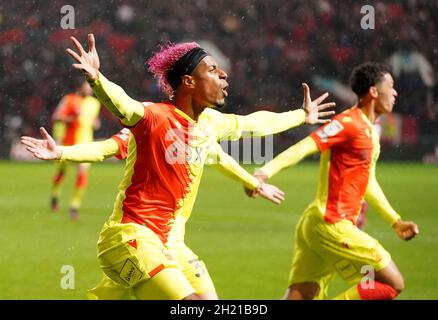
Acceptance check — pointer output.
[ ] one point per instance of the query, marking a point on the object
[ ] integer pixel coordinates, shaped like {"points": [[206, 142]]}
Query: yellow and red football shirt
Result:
{"points": [[163, 168], [70, 106], [166, 155], [90, 108], [215, 156], [83, 111], [349, 149]]}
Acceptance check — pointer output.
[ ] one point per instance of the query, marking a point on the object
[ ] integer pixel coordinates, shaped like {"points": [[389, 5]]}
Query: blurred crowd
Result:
{"points": [[273, 46]]}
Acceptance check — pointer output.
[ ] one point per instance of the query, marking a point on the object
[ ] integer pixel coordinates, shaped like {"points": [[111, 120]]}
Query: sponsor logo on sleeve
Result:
{"points": [[330, 130], [124, 134]]}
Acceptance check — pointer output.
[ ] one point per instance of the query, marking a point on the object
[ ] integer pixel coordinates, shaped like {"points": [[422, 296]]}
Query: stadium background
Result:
{"points": [[270, 49]]}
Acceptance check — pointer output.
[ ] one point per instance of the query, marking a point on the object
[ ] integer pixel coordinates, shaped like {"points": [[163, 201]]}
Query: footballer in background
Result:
{"points": [[328, 240], [74, 121]]}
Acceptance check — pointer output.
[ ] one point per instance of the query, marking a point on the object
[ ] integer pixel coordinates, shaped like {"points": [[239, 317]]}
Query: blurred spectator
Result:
{"points": [[273, 47], [414, 74]]}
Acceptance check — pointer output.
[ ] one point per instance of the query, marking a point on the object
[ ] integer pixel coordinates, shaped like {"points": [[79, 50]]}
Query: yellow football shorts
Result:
{"points": [[193, 268], [134, 258], [322, 249]]}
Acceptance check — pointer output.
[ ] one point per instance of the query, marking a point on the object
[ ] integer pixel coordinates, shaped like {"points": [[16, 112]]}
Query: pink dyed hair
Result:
{"points": [[164, 60]]}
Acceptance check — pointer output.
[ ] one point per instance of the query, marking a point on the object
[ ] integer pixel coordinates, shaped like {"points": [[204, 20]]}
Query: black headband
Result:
{"points": [[185, 65]]}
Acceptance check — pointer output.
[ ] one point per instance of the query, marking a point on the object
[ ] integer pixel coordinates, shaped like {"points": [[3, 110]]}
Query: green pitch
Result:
{"points": [[246, 244]]}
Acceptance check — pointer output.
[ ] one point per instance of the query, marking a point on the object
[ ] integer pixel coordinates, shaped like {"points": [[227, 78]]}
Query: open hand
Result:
{"points": [[313, 108], [43, 149], [87, 62], [271, 193]]}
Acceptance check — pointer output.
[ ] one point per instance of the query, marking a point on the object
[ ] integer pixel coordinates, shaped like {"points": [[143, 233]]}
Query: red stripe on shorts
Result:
{"points": [[156, 270]]}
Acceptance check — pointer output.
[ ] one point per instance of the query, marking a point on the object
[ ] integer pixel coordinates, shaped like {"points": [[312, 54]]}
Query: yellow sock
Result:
{"points": [[349, 294], [56, 190], [77, 197]]}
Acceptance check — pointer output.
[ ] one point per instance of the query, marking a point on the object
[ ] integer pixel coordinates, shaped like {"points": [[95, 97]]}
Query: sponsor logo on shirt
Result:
{"points": [[124, 134], [330, 130]]}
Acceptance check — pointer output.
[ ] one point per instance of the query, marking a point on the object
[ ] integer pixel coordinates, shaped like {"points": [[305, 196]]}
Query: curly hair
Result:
{"points": [[367, 75], [163, 61]]}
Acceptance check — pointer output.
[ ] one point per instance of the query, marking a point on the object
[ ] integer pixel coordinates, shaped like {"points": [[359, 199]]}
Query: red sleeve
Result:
{"points": [[331, 134], [122, 139]]}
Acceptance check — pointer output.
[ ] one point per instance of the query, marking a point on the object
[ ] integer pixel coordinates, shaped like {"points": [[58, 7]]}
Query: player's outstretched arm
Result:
{"points": [[43, 149], [47, 149], [287, 158], [262, 123], [225, 164], [91, 151], [128, 110], [406, 230]]}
